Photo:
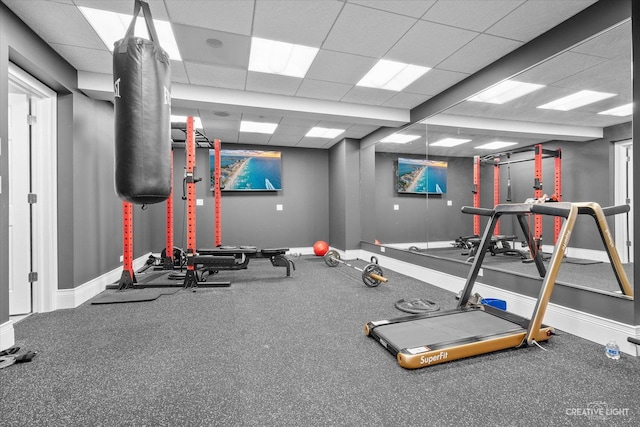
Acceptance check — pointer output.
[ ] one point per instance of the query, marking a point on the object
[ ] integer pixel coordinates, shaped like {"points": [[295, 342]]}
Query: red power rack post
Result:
{"points": [[537, 193], [190, 279], [168, 256], [217, 194], [496, 190], [476, 193], [557, 188], [128, 278]]}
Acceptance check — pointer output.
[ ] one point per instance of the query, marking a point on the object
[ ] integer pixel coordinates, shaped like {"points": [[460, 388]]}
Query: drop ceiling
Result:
{"points": [[454, 38]]}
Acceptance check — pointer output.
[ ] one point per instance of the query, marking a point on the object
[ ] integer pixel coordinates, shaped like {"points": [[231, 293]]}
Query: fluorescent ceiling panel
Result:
{"points": [[318, 132], [578, 99], [258, 127], [449, 142], [112, 26], [505, 92], [197, 123], [391, 75], [399, 139], [273, 57], [495, 145], [622, 111]]}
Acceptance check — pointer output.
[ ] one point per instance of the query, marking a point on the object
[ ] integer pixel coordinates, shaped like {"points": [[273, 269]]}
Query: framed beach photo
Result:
{"points": [[247, 170], [421, 176]]}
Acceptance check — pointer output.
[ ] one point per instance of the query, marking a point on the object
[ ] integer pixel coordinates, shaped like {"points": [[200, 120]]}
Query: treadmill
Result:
{"points": [[428, 339]]}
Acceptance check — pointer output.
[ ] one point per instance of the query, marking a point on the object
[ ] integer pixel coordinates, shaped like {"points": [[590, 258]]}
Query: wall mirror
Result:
{"points": [[586, 144]]}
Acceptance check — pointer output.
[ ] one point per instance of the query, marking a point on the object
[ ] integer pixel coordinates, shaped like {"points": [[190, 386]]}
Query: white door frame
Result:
{"points": [[45, 185], [623, 186]]}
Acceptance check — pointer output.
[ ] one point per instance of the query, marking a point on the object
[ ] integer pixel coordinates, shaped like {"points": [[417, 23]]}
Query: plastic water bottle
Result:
{"points": [[612, 350]]}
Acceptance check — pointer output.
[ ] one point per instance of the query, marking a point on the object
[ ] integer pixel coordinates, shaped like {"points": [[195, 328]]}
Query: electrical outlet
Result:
{"points": [[396, 207], [199, 202], [279, 207], [121, 258]]}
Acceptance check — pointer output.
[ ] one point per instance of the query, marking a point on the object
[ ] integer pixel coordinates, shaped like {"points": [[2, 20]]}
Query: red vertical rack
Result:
{"points": [[496, 190], [168, 257], [476, 193], [217, 194], [190, 278], [557, 188], [537, 186], [128, 278]]}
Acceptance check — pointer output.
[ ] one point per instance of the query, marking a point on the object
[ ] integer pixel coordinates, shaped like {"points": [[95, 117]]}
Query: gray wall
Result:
{"points": [[344, 195], [251, 218], [421, 218]]}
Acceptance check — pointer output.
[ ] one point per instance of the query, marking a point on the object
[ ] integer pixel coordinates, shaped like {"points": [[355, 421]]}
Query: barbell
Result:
{"points": [[372, 274]]}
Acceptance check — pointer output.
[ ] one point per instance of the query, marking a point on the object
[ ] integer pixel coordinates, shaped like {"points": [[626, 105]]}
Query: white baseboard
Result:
{"points": [[588, 326], [72, 298], [7, 335], [591, 254]]}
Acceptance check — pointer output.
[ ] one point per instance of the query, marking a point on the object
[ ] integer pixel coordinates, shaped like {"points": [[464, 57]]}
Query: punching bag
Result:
{"points": [[142, 86]]}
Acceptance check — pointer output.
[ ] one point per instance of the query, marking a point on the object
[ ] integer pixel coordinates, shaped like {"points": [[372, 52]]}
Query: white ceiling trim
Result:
{"points": [[517, 128], [183, 95]]}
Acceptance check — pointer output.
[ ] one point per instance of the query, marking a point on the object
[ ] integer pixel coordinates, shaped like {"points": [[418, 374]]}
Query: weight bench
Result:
{"points": [[500, 244], [238, 257]]}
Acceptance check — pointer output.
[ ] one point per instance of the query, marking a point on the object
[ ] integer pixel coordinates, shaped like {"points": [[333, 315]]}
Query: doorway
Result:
{"points": [[623, 195], [32, 158]]}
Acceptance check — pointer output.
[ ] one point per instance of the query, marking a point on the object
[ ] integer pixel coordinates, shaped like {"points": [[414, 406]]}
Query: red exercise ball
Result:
{"points": [[320, 248]]}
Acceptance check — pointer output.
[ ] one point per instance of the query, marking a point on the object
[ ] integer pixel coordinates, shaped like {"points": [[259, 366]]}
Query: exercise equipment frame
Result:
{"points": [[469, 330]]}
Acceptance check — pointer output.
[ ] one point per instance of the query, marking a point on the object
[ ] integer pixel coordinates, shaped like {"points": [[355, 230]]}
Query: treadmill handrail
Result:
{"points": [[477, 211]]}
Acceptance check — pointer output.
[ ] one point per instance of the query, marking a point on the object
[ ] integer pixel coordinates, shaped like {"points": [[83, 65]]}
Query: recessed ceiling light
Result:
{"points": [[258, 127], [221, 114], [399, 139], [505, 91], [495, 145], [576, 100], [197, 123], [112, 26], [392, 75], [270, 56], [449, 142], [622, 111], [318, 132]]}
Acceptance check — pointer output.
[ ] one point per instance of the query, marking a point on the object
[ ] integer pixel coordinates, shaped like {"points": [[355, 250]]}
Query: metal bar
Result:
{"points": [[191, 194], [537, 193]]}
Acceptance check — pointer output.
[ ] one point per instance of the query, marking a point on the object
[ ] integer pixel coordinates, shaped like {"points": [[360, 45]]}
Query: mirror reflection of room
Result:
{"points": [[559, 131]]}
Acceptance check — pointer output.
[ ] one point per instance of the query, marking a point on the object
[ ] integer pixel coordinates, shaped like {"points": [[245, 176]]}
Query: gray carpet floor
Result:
{"points": [[291, 351]]}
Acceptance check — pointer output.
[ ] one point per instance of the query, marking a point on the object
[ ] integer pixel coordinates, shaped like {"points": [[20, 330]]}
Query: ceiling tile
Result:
{"points": [[84, 59], [558, 68], [535, 17], [478, 53], [272, 83], [157, 8], [234, 51], [340, 67], [470, 14], [295, 21], [253, 138], [211, 75], [178, 72], [322, 90], [312, 143], [232, 16], [435, 81], [413, 8], [58, 15], [415, 48], [368, 32], [285, 140], [610, 44]]}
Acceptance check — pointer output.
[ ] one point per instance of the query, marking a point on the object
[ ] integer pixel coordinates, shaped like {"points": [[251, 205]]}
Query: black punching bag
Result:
{"points": [[142, 85]]}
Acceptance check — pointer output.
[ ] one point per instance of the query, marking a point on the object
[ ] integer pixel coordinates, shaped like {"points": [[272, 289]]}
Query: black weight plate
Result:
{"points": [[416, 305], [366, 275]]}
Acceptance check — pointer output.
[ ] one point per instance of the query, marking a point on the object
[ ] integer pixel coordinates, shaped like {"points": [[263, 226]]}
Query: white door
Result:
{"points": [[32, 158], [624, 195], [19, 208]]}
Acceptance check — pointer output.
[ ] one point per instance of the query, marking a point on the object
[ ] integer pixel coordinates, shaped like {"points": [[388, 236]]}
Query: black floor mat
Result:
{"points": [[131, 295]]}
